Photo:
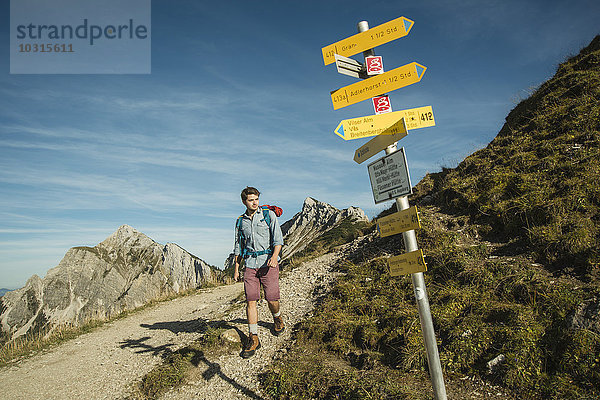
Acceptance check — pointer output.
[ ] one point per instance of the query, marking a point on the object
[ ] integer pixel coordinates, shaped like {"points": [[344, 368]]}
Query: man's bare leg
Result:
{"points": [[273, 306], [278, 325]]}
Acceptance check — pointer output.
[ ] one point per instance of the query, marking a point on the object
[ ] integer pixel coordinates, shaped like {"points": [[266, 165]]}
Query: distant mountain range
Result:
{"points": [[125, 271], [4, 290], [315, 219]]}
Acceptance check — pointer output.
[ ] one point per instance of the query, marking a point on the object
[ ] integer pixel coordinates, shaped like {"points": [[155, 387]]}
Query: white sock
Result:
{"points": [[253, 329], [277, 315]]}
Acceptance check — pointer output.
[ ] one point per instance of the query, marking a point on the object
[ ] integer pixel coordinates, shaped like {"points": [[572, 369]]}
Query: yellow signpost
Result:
{"points": [[402, 221], [407, 263], [380, 142], [376, 85], [369, 39], [373, 125], [389, 175]]}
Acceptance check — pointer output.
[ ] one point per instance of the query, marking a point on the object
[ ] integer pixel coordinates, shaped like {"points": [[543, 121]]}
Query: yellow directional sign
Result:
{"points": [[399, 222], [374, 125], [380, 142], [366, 40], [408, 263], [378, 84]]}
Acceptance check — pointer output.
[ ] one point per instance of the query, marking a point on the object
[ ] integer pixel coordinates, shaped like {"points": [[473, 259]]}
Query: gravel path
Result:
{"points": [[105, 363], [229, 376]]}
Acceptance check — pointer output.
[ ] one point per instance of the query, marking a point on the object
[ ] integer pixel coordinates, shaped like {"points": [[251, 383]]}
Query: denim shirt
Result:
{"points": [[257, 235]]}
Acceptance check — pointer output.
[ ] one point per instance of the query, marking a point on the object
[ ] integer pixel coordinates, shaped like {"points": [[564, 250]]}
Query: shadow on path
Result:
{"points": [[196, 357], [146, 348], [191, 326], [200, 325], [215, 369]]}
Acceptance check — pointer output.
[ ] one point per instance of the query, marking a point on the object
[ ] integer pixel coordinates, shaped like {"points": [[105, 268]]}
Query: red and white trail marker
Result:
{"points": [[374, 65], [382, 104]]}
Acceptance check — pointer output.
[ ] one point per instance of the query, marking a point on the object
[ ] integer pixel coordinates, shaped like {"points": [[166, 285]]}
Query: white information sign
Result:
{"points": [[389, 177], [349, 66]]}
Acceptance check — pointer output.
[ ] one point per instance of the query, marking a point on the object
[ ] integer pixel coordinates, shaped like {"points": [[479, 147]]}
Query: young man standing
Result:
{"points": [[258, 242]]}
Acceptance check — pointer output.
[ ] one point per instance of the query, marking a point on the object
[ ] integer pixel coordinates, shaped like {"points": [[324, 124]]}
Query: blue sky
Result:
{"points": [[238, 95]]}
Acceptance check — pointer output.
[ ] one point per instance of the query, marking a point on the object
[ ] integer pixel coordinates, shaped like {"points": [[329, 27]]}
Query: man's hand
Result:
{"points": [[272, 262], [236, 270]]}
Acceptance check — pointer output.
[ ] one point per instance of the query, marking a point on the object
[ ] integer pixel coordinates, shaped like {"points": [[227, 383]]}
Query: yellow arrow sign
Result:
{"points": [[374, 125], [376, 85], [380, 142], [399, 222], [408, 263], [366, 40]]}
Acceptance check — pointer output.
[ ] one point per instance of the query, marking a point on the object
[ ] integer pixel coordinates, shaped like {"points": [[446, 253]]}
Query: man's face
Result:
{"points": [[251, 202]]}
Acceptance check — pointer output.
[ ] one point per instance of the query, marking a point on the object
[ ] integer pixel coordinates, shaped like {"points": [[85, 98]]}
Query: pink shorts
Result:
{"points": [[265, 276]]}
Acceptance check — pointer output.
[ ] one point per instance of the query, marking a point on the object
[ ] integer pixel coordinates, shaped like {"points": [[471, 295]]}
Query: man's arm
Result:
{"points": [[272, 262], [236, 272], [237, 251]]}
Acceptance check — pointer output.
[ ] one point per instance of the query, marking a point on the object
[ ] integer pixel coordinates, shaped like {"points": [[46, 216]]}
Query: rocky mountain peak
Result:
{"points": [[315, 219], [125, 271], [309, 202], [127, 236]]}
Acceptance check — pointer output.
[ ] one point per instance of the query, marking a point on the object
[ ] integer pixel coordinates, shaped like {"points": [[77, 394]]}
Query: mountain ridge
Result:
{"points": [[313, 220], [128, 269], [123, 272]]}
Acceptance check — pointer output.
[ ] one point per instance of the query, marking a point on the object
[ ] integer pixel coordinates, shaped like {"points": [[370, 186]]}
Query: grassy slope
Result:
{"points": [[538, 179], [511, 242]]}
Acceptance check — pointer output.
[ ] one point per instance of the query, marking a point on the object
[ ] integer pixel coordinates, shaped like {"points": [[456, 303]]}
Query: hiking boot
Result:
{"points": [[278, 325], [252, 345]]}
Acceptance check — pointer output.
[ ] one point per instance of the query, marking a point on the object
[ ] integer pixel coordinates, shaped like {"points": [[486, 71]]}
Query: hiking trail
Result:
{"points": [[105, 363]]}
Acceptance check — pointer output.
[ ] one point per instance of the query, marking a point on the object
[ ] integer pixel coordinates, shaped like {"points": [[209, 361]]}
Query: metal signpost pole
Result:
{"points": [[418, 280]]}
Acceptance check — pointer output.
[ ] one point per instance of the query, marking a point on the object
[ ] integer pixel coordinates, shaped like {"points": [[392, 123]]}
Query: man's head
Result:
{"points": [[250, 198]]}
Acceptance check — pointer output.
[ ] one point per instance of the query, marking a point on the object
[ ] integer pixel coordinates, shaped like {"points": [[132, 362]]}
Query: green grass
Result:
{"points": [[309, 372], [537, 180], [368, 328]]}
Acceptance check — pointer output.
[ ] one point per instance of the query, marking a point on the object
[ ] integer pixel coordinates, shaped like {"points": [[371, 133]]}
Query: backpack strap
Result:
{"points": [[242, 239], [257, 253], [266, 215]]}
